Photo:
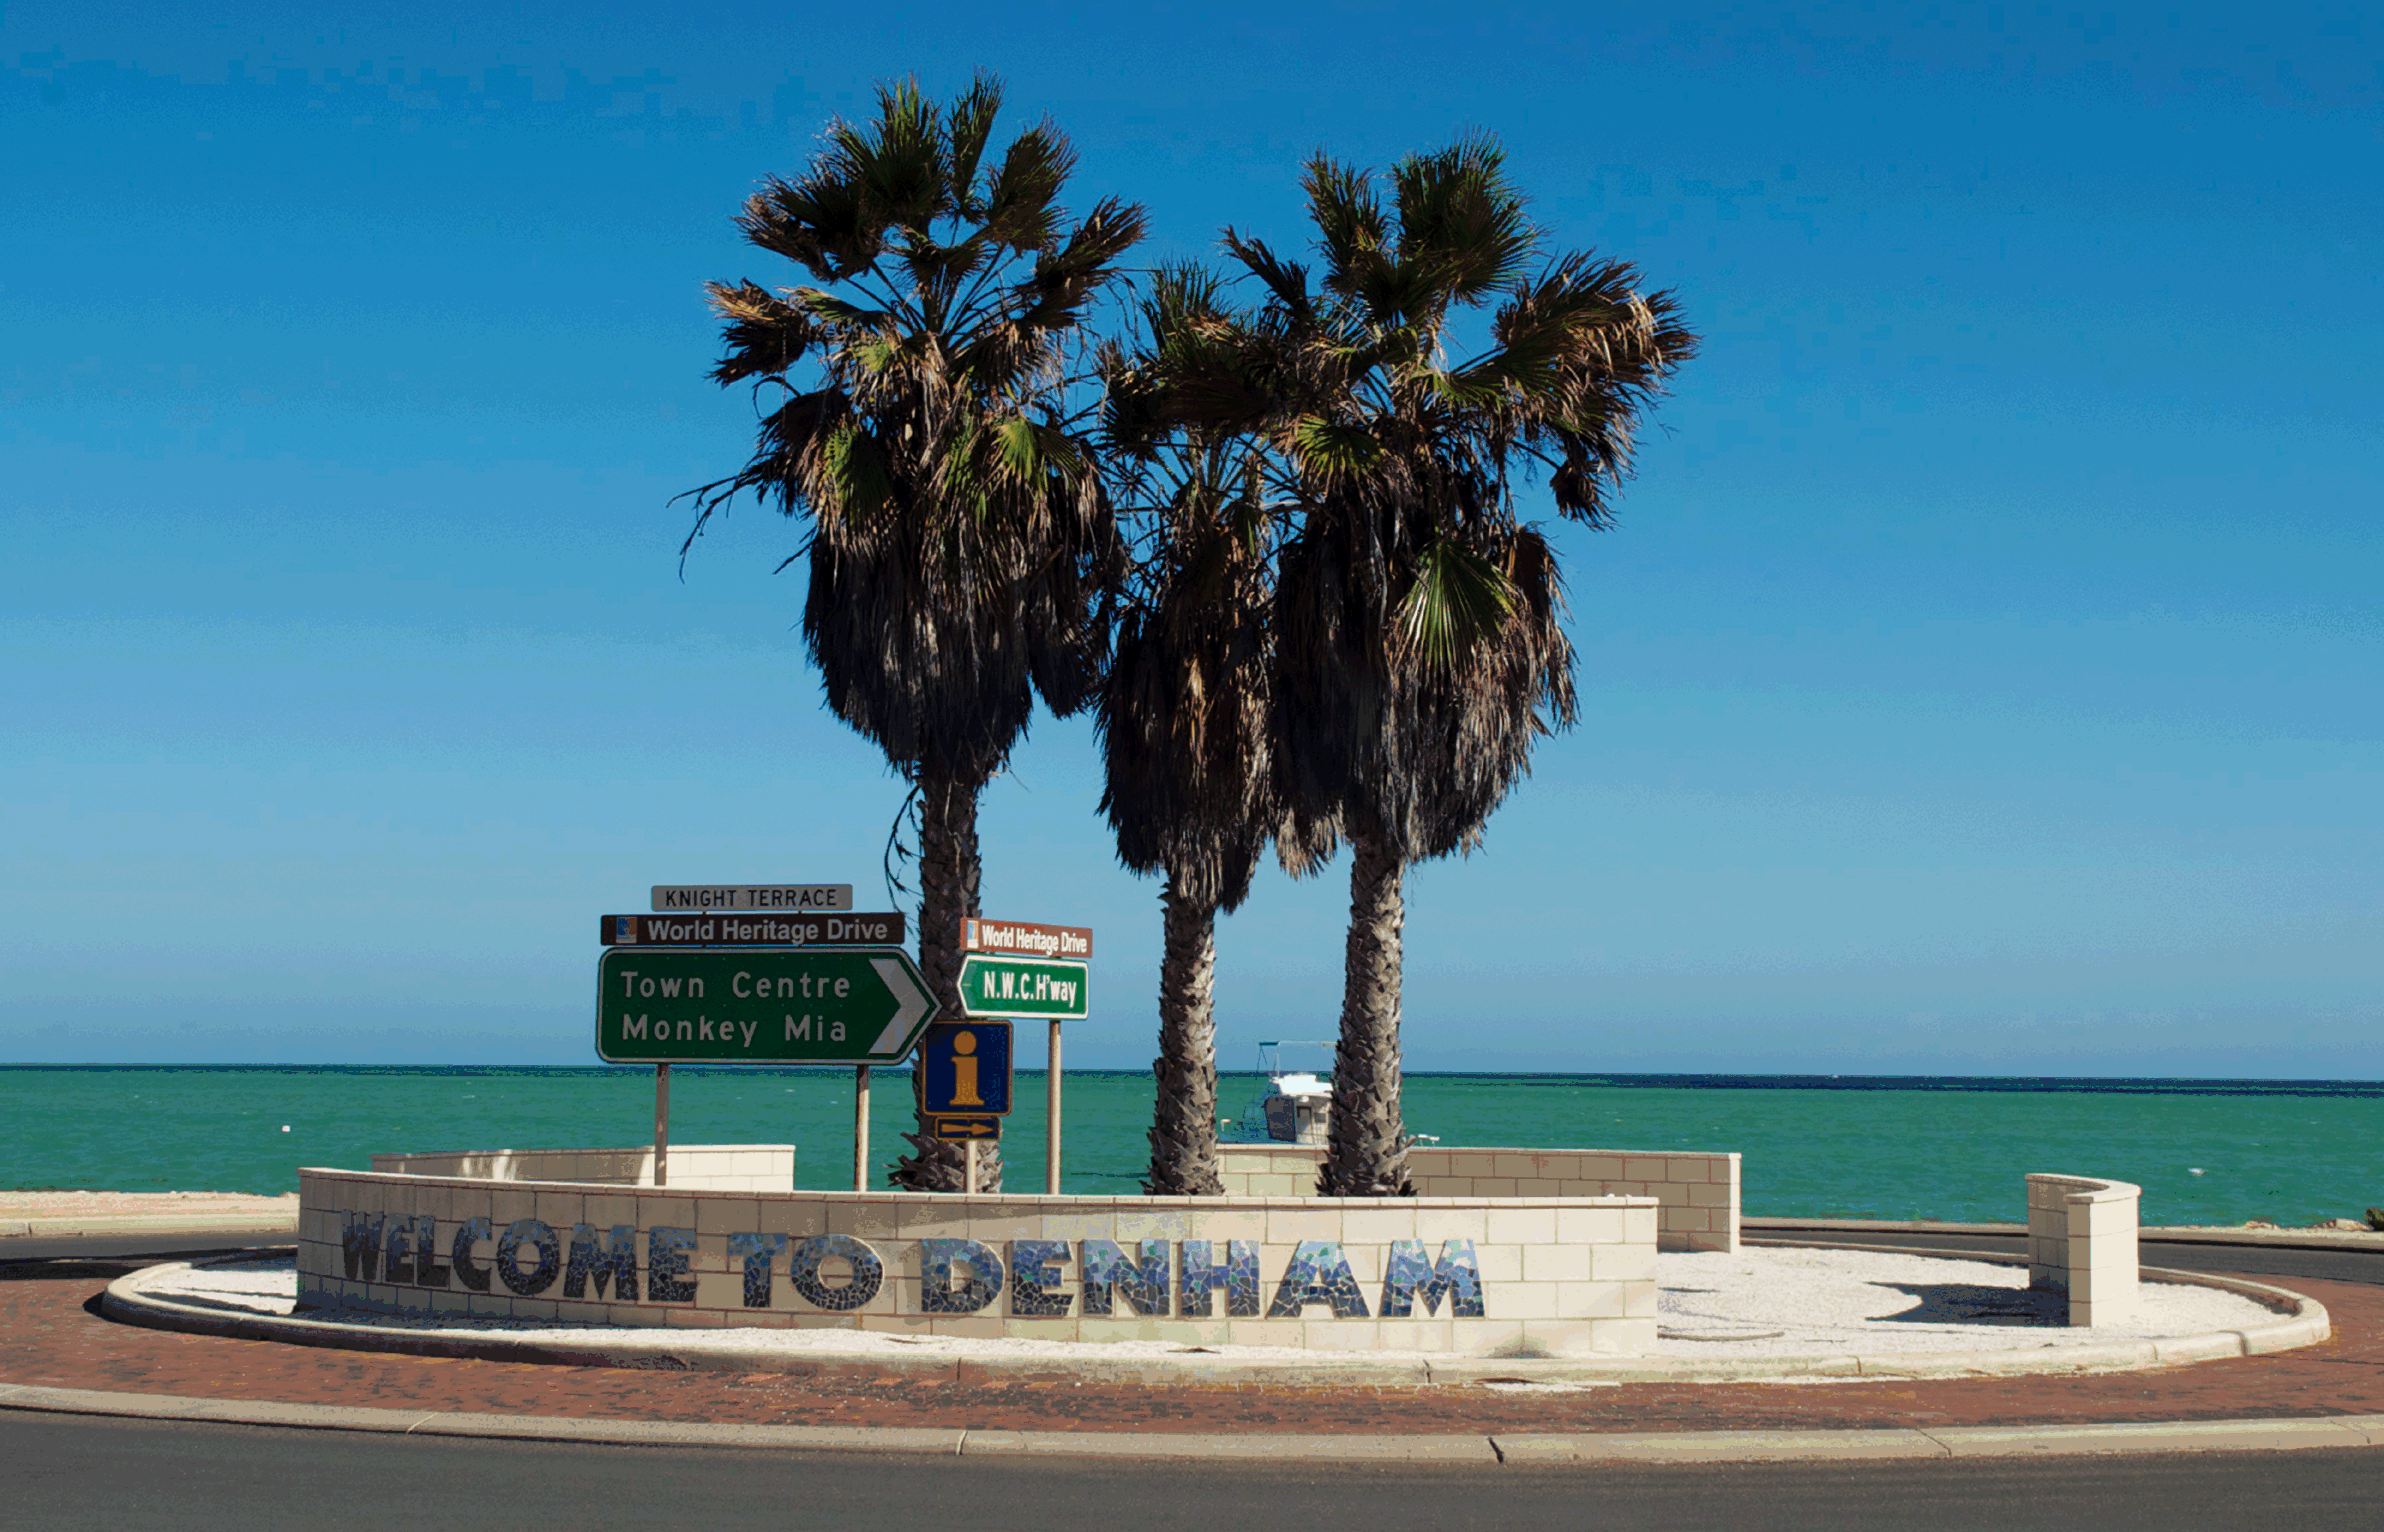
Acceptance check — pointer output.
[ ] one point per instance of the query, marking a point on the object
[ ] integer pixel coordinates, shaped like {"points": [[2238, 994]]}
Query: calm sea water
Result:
{"points": [[2205, 1151]]}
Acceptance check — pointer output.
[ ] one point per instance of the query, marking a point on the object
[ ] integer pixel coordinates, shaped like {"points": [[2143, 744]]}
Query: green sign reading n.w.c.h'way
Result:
{"points": [[1021, 986], [682, 1005]]}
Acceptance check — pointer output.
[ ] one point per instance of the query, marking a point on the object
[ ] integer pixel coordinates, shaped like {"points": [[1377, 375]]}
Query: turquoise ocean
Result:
{"points": [[2205, 1151]]}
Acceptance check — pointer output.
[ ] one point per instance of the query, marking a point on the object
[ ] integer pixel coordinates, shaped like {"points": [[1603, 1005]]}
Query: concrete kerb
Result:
{"points": [[2304, 1321], [1463, 1449]]}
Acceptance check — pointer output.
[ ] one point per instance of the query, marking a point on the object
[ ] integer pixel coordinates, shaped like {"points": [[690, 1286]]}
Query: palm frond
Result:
{"points": [[1332, 450], [1458, 600], [968, 127], [1021, 203], [1287, 280], [764, 334], [1462, 219]]}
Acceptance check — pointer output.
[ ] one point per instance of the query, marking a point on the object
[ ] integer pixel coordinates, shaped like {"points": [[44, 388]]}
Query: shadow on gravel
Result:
{"points": [[1970, 1303]]}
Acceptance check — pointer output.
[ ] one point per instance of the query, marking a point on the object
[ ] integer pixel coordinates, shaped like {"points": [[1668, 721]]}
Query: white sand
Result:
{"points": [[1767, 1302], [105, 1205]]}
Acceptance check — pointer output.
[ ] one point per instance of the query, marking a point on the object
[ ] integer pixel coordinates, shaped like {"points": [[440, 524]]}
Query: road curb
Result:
{"points": [[1485, 1450]]}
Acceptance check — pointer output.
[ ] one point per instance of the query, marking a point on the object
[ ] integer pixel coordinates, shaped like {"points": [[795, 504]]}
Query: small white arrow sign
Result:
{"points": [[910, 1003]]}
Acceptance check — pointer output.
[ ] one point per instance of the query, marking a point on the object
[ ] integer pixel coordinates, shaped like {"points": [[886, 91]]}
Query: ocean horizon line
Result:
{"points": [[1576, 1079]]}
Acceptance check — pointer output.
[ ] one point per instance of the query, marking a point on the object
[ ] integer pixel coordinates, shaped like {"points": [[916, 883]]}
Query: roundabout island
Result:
{"points": [[1524, 1287]]}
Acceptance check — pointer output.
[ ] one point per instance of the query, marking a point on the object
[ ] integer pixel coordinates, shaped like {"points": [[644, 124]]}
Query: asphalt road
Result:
{"points": [[64, 1473], [84, 1472]]}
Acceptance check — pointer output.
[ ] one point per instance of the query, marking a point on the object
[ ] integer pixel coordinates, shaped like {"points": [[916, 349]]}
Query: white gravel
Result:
{"points": [[1789, 1302], [1757, 1303]]}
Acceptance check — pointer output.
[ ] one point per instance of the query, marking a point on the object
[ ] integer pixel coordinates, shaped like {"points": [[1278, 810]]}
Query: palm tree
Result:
{"points": [[960, 542], [1183, 718], [1418, 643]]}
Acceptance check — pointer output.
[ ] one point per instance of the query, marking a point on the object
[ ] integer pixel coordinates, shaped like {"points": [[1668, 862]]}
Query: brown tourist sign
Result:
{"points": [[1027, 938], [737, 929]]}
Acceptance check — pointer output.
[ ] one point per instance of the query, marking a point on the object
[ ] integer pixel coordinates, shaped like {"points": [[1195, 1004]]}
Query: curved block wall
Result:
{"points": [[1696, 1193], [693, 1167], [1468, 1275]]}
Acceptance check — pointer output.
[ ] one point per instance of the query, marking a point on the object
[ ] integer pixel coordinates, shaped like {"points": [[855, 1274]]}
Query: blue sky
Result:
{"points": [[1982, 678]]}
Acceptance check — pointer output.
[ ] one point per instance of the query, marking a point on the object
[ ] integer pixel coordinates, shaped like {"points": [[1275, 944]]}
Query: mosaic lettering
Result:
{"points": [[614, 1261], [938, 1295], [1410, 1274], [540, 1237], [803, 1272]]}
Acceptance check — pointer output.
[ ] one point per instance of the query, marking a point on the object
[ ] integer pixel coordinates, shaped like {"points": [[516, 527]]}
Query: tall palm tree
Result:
{"points": [[1418, 648], [1183, 717], [960, 542]]}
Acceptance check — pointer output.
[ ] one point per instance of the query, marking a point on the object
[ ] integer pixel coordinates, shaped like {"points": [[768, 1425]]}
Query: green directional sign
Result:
{"points": [[1021, 986], [769, 1005]]}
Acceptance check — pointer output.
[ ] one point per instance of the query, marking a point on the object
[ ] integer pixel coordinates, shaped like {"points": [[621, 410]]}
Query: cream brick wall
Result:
{"points": [[1696, 1194], [697, 1167], [2082, 1241], [1559, 1275]]}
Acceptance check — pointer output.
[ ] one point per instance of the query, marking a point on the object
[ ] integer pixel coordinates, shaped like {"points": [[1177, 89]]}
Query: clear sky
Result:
{"points": [[1982, 678]]}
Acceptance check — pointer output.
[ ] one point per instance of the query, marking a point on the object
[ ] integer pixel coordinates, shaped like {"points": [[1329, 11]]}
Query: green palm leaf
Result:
{"points": [[1457, 602]]}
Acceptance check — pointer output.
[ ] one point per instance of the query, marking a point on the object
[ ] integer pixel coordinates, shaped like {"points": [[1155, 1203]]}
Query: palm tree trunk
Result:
{"points": [[1184, 1128], [1366, 1143], [948, 884]]}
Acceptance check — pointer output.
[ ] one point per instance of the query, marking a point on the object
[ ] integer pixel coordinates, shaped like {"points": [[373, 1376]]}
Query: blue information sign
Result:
{"points": [[964, 1070]]}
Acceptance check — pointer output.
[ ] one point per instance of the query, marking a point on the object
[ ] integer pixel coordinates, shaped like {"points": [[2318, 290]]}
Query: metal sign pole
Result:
{"points": [[662, 1125], [861, 1128], [969, 1149], [1051, 1101]]}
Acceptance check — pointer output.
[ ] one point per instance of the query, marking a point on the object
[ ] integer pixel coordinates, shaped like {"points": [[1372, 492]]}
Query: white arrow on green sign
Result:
{"points": [[1021, 986], [767, 1005]]}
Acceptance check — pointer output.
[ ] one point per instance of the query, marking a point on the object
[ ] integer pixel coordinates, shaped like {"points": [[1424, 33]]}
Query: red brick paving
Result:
{"points": [[47, 1337]]}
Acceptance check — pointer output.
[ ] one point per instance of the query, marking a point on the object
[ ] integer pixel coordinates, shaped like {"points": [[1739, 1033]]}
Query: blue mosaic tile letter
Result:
{"points": [[427, 1270], [1034, 1273], [1410, 1274], [937, 1295], [757, 1251], [1318, 1273], [614, 1261], [803, 1272], [1107, 1272], [1201, 1275], [666, 1264], [360, 1245], [469, 1272], [529, 1231]]}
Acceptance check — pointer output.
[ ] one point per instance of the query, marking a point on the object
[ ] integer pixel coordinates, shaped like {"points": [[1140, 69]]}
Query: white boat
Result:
{"points": [[1293, 1106]]}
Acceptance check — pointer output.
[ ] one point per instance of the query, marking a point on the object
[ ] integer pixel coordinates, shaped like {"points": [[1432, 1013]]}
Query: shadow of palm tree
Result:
{"points": [[1971, 1303]]}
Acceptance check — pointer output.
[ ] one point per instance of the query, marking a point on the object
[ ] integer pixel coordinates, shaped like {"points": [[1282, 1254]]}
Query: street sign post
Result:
{"points": [[1021, 986], [759, 1005], [739, 930], [1006, 983]]}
